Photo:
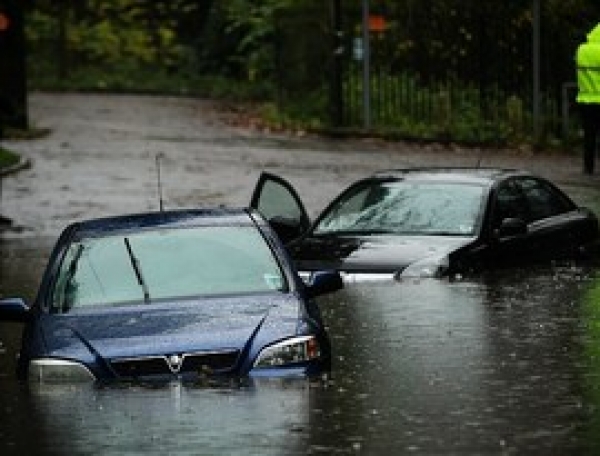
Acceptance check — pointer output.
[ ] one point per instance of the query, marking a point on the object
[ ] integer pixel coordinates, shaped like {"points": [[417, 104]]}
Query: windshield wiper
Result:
{"points": [[138, 271], [357, 232]]}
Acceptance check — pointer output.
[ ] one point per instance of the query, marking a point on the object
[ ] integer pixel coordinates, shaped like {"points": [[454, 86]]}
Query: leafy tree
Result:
{"points": [[245, 31], [111, 32]]}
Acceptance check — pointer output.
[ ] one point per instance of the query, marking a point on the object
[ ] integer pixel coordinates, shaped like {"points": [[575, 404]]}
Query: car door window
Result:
{"points": [[276, 201], [510, 203], [543, 200], [280, 204], [275, 198]]}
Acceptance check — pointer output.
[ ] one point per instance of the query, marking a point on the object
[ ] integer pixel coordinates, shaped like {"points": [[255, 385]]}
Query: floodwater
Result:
{"points": [[507, 363]]}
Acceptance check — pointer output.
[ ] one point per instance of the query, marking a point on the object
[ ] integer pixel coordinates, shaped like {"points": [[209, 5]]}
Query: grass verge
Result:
{"points": [[7, 158]]}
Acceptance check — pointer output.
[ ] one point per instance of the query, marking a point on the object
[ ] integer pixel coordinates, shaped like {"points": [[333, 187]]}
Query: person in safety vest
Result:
{"points": [[588, 95]]}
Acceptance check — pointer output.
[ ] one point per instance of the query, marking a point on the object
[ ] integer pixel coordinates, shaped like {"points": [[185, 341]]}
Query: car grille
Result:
{"points": [[206, 363]]}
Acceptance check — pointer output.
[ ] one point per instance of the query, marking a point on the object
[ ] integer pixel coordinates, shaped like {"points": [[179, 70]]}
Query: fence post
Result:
{"points": [[536, 69], [366, 66], [337, 101]]}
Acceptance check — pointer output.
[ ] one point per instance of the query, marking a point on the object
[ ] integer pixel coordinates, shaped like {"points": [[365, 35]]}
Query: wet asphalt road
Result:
{"points": [[503, 364], [100, 159]]}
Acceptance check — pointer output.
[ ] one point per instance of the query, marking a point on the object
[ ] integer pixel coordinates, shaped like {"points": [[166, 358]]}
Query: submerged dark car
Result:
{"points": [[172, 295], [430, 222]]}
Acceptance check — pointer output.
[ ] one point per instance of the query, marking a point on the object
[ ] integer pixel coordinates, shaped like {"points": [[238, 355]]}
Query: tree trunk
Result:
{"points": [[13, 85]]}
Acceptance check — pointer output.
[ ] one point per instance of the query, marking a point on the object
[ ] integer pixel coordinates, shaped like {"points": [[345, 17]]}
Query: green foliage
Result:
{"points": [[515, 116], [7, 158], [414, 108], [254, 23], [65, 37], [590, 344], [446, 70], [127, 78], [241, 39], [307, 113]]}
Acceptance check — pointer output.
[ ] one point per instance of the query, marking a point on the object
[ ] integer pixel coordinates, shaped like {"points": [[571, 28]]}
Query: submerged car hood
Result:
{"points": [[374, 253], [166, 328]]}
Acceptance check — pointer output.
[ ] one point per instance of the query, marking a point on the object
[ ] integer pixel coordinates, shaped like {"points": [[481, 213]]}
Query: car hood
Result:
{"points": [[375, 253], [169, 328]]}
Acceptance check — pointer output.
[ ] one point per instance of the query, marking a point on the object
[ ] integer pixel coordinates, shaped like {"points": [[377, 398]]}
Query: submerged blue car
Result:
{"points": [[183, 294]]}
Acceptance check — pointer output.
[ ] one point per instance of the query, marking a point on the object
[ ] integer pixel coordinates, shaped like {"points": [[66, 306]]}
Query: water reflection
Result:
{"points": [[267, 419], [495, 363], [505, 364]]}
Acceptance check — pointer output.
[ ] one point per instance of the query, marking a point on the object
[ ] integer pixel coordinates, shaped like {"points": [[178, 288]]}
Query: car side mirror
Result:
{"points": [[14, 309], [511, 227], [323, 282]]}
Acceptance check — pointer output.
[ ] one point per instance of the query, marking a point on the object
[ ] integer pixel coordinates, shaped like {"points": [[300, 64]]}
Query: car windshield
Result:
{"points": [[406, 207], [165, 264]]}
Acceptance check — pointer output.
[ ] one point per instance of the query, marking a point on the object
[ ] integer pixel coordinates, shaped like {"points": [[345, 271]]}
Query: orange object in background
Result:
{"points": [[377, 23], [4, 22]]}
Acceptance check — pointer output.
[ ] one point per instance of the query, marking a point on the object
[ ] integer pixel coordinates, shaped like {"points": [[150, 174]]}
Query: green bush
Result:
{"points": [[7, 158]]}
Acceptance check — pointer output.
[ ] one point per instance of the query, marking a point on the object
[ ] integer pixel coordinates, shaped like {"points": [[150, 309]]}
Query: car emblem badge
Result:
{"points": [[174, 362]]}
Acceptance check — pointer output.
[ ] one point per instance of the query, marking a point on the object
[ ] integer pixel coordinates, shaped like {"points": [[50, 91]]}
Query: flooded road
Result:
{"points": [[507, 363], [495, 366]]}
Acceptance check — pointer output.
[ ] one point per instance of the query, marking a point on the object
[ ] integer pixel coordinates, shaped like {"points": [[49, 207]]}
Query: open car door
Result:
{"points": [[280, 205]]}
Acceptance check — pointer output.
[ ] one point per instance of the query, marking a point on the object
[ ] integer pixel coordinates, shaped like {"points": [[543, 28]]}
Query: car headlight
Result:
{"points": [[289, 351], [58, 370], [433, 266]]}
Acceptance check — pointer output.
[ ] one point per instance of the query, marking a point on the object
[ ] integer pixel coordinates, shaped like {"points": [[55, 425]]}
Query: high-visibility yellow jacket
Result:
{"points": [[588, 68]]}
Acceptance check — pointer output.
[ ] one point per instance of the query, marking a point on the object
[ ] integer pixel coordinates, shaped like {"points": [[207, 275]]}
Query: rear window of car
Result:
{"points": [[407, 207], [166, 264]]}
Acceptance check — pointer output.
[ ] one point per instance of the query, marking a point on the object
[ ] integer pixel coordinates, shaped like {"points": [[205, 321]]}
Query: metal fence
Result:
{"points": [[462, 73]]}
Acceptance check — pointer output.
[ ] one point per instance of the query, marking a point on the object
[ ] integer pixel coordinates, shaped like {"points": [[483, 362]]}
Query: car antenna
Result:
{"points": [[158, 158], [479, 159]]}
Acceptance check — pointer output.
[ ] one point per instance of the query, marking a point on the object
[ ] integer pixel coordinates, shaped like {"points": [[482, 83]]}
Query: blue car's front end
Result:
{"points": [[262, 335], [181, 295]]}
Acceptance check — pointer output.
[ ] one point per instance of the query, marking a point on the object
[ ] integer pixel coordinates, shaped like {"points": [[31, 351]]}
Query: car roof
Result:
{"points": [[484, 176], [164, 219]]}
